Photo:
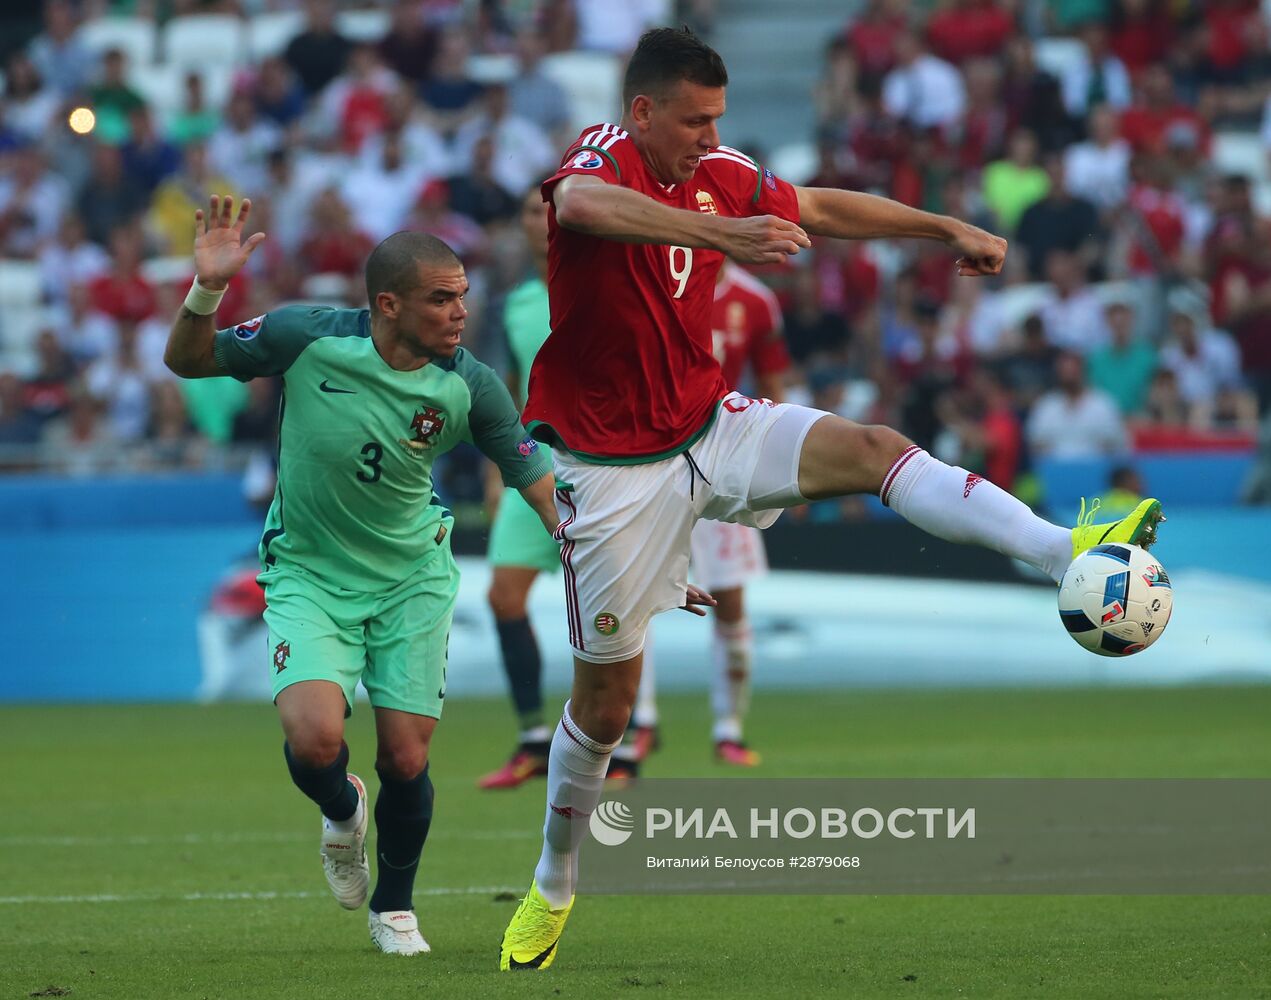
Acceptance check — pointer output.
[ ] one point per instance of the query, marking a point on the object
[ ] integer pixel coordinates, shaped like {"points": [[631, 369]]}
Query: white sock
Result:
{"points": [[730, 683], [646, 707], [575, 779], [959, 506], [350, 824]]}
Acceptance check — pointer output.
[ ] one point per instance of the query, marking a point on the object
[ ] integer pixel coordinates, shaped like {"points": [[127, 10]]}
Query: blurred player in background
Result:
{"points": [[359, 581], [648, 437]]}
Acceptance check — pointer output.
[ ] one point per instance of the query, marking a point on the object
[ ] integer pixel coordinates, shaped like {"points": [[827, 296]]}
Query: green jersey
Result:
{"points": [[527, 317], [354, 506]]}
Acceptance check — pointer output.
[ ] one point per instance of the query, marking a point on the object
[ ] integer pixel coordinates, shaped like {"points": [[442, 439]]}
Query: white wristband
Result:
{"points": [[203, 301]]}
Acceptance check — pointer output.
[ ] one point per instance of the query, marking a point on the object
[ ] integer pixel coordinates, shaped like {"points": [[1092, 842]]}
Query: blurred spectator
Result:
{"points": [[1059, 221], [523, 152], [70, 259], [1123, 367], [1014, 183], [318, 53], [535, 96], [123, 293], [195, 121], [421, 144], [1028, 369], [969, 29], [1072, 313], [1242, 304], [86, 333], [988, 431], [411, 43], [239, 149], [279, 95], [171, 442], [815, 335], [1158, 121], [81, 443], [1125, 491], [1034, 99], [332, 243], [872, 35], [292, 185], [974, 316], [1165, 405], [48, 389], [477, 193], [433, 215], [604, 26], [1097, 78], [380, 194], [357, 100], [928, 365], [62, 62], [112, 197], [29, 106], [450, 94], [148, 158], [985, 126], [1140, 33], [923, 90], [1098, 169], [256, 422], [171, 218], [121, 382], [32, 199], [113, 99], [1074, 420], [1204, 361], [18, 424]]}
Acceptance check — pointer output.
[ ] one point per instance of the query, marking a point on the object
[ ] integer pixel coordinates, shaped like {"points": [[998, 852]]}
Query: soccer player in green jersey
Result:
{"points": [[359, 580]]}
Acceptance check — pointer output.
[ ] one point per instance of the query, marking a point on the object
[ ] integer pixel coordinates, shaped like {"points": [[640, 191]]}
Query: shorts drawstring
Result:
{"points": [[694, 470]]}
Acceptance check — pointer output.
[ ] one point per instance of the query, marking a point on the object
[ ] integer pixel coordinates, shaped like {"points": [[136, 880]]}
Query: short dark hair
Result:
{"points": [[393, 266], [665, 56]]}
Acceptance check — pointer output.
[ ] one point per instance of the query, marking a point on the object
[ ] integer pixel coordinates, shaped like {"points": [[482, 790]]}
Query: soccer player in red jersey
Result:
{"points": [[646, 436]]}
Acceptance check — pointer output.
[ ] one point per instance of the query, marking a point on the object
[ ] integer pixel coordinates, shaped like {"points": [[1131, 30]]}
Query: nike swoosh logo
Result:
{"points": [[325, 387], [534, 962]]}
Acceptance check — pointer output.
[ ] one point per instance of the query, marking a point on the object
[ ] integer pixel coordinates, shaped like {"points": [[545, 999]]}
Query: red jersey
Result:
{"points": [[746, 327], [628, 373]]}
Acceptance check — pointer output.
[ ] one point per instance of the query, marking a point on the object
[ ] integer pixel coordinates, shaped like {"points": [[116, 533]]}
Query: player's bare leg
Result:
{"points": [[403, 814], [840, 457], [522, 661], [730, 682], [312, 716]]}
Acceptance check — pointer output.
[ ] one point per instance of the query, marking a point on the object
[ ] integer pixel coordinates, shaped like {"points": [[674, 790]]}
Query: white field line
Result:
{"points": [[217, 897], [241, 837]]}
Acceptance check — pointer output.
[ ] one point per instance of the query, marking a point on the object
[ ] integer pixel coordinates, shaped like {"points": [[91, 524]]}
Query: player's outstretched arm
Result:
{"points": [[541, 495], [219, 254], [856, 215], [589, 205]]}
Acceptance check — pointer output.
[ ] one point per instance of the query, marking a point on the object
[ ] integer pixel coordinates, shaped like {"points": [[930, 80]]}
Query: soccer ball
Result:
{"points": [[1115, 599]]}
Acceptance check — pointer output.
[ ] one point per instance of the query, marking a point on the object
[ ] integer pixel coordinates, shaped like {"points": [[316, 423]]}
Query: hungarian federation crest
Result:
{"points": [[427, 424], [706, 203], [281, 652]]}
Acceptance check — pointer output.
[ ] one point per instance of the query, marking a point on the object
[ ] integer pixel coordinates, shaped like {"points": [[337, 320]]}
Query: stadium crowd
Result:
{"points": [[1135, 314]]}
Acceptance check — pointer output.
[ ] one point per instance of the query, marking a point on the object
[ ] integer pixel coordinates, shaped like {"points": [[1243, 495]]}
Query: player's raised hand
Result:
{"points": [[763, 239], [978, 252], [219, 250]]}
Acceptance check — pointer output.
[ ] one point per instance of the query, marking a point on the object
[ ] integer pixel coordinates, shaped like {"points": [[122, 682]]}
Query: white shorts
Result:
{"points": [[726, 555], [625, 529]]}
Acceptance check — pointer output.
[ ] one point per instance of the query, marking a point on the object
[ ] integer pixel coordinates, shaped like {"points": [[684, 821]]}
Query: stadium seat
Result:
{"points": [[1019, 302], [795, 162], [1056, 55], [19, 326], [20, 284], [326, 288], [135, 36], [1240, 153], [167, 270], [202, 40], [268, 34], [362, 25], [492, 68], [593, 83], [163, 85]]}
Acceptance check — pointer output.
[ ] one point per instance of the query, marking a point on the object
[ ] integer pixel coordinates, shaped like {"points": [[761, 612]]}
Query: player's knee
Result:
{"points": [[401, 762], [604, 721], [316, 746], [883, 444], [506, 601]]}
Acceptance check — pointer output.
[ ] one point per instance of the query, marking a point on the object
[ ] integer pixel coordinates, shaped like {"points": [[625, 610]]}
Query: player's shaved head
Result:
{"points": [[665, 56], [394, 265]]}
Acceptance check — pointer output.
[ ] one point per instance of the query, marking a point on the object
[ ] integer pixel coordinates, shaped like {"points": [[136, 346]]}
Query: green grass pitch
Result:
{"points": [[160, 851]]}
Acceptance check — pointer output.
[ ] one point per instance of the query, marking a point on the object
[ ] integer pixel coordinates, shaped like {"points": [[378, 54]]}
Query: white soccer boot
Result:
{"points": [[396, 932], [344, 854]]}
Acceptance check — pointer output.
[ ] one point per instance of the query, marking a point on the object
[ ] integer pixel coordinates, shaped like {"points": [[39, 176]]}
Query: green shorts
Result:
{"points": [[518, 538], [393, 642]]}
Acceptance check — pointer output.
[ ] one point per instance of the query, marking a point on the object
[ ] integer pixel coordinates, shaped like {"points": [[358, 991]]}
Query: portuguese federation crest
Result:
{"points": [[426, 425], [281, 652]]}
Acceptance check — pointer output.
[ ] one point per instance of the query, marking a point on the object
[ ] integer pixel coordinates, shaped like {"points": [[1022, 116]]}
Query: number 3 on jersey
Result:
{"points": [[681, 267]]}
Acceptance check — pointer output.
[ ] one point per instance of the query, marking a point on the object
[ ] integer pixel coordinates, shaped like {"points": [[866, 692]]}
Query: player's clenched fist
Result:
{"points": [[763, 239], [219, 252], [978, 252]]}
